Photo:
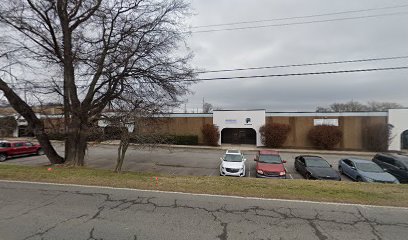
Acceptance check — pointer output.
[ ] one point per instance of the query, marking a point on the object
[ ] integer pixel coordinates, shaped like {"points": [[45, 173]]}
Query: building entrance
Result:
{"points": [[238, 136]]}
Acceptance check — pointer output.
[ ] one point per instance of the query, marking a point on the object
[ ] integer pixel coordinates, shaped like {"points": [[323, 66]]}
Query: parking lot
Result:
{"points": [[177, 161]]}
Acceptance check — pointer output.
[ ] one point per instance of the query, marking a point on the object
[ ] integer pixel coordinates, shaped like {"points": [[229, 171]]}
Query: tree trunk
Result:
{"points": [[123, 146], [76, 142], [34, 123]]}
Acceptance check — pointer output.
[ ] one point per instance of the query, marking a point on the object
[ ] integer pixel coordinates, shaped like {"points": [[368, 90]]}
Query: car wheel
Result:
{"points": [[341, 170], [308, 176], [359, 179], [3, 157], [40, 151]]}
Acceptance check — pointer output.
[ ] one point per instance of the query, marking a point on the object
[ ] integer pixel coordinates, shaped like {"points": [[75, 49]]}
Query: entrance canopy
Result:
{"points": [[239, 126], [398, 119]]}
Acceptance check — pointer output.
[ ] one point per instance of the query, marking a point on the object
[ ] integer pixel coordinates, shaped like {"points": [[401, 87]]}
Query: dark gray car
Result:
{"points": [[395, 164], [315, 167]]}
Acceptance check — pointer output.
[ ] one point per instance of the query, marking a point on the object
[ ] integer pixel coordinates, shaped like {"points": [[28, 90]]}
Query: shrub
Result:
{"points": [[211, 134], [325, 137], [185, 140], [7, 126], [377, 137], [165, 139], [94, 135], [274, 134]]}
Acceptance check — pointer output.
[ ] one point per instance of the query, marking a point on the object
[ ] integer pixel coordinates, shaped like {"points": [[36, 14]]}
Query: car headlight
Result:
{"points": [[260, 171], [282, 173]]}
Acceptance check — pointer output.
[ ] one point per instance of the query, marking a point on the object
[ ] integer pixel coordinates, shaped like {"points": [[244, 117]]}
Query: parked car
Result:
{"points": [[12, 149], [315, 167], [233, 164], [364, 171], [395, 164], [269, 164]]}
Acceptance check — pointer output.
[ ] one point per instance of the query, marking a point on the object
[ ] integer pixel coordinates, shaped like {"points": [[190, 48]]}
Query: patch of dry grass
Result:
{"points": [[325, 191]]}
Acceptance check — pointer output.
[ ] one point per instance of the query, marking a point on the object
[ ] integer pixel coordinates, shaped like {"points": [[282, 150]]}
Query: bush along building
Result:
{"points": [[373, 131]]}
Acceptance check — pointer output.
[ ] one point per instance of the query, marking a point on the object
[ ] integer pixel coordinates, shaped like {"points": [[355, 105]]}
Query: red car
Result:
{"points": [[10, 149], [269, 164]]}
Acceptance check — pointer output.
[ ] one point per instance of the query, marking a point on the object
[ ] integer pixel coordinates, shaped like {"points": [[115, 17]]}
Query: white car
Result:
{"points": [[233, 164]]}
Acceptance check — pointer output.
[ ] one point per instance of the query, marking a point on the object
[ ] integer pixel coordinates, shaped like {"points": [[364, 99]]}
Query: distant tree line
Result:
{"points": [[355, 106]]}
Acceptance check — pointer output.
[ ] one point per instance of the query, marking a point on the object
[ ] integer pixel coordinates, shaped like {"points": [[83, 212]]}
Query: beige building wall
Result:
{"points": [[352, 127]]}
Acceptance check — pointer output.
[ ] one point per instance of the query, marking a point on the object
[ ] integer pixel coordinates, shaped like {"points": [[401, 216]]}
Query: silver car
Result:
{"points": [[364, 171]]}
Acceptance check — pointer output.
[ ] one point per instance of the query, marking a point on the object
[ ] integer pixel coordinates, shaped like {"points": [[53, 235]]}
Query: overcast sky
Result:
{"points": [[319, 42]]}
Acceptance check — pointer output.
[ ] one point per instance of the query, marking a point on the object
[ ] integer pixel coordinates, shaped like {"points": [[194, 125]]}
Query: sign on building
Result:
{"points": [[326, 122]]}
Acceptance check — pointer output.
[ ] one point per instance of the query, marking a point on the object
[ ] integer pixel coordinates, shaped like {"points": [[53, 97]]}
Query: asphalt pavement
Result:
{"points": [[33, 211], [171, 161]]}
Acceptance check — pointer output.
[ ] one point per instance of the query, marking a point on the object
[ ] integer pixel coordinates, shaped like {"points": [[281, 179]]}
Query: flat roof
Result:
{"points": [[290, 114], [267, 114], [326, 114], [239, 110]]}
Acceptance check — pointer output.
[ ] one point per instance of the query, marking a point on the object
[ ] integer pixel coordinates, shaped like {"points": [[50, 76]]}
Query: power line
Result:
{"points": [[301, 17], [305, 64], [248, 77], [295, 74], [252, 68], [302, 23]]}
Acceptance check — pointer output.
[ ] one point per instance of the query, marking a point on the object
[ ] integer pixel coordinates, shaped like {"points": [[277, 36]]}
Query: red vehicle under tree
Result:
{"points": [[11, 149], [269, 164]]}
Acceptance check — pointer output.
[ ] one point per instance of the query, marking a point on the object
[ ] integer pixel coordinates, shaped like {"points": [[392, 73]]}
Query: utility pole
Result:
{"points": [[203, 104]]}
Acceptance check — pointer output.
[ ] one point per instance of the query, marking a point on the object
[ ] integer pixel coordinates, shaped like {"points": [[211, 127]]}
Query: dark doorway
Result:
{"points": [[238, 136], [404, 140]]}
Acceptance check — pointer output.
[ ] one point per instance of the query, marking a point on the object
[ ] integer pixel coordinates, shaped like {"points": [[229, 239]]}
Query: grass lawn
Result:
{"points": [[324, 191]]}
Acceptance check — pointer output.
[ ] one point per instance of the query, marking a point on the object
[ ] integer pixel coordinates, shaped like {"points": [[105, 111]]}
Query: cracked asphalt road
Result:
{"points": [[42, 211]]}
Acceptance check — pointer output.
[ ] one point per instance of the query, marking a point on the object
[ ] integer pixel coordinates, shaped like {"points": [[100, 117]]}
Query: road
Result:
{"points": [[40, 211], [197, 162]]}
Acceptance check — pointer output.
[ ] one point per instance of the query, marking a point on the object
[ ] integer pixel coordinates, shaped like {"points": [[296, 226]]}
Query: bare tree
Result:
{"points": [[354, 106], [382, 106], [207, 107], [129, 115], [99, 50]]}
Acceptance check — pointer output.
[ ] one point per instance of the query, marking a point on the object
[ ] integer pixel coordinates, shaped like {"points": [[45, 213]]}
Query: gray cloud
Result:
{"points": [[342, 40]]}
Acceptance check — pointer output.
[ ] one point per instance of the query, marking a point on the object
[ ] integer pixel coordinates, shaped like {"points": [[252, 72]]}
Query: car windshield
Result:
{"points": [[270, 159], [316, 162], [232, 158], [368, 167]]}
